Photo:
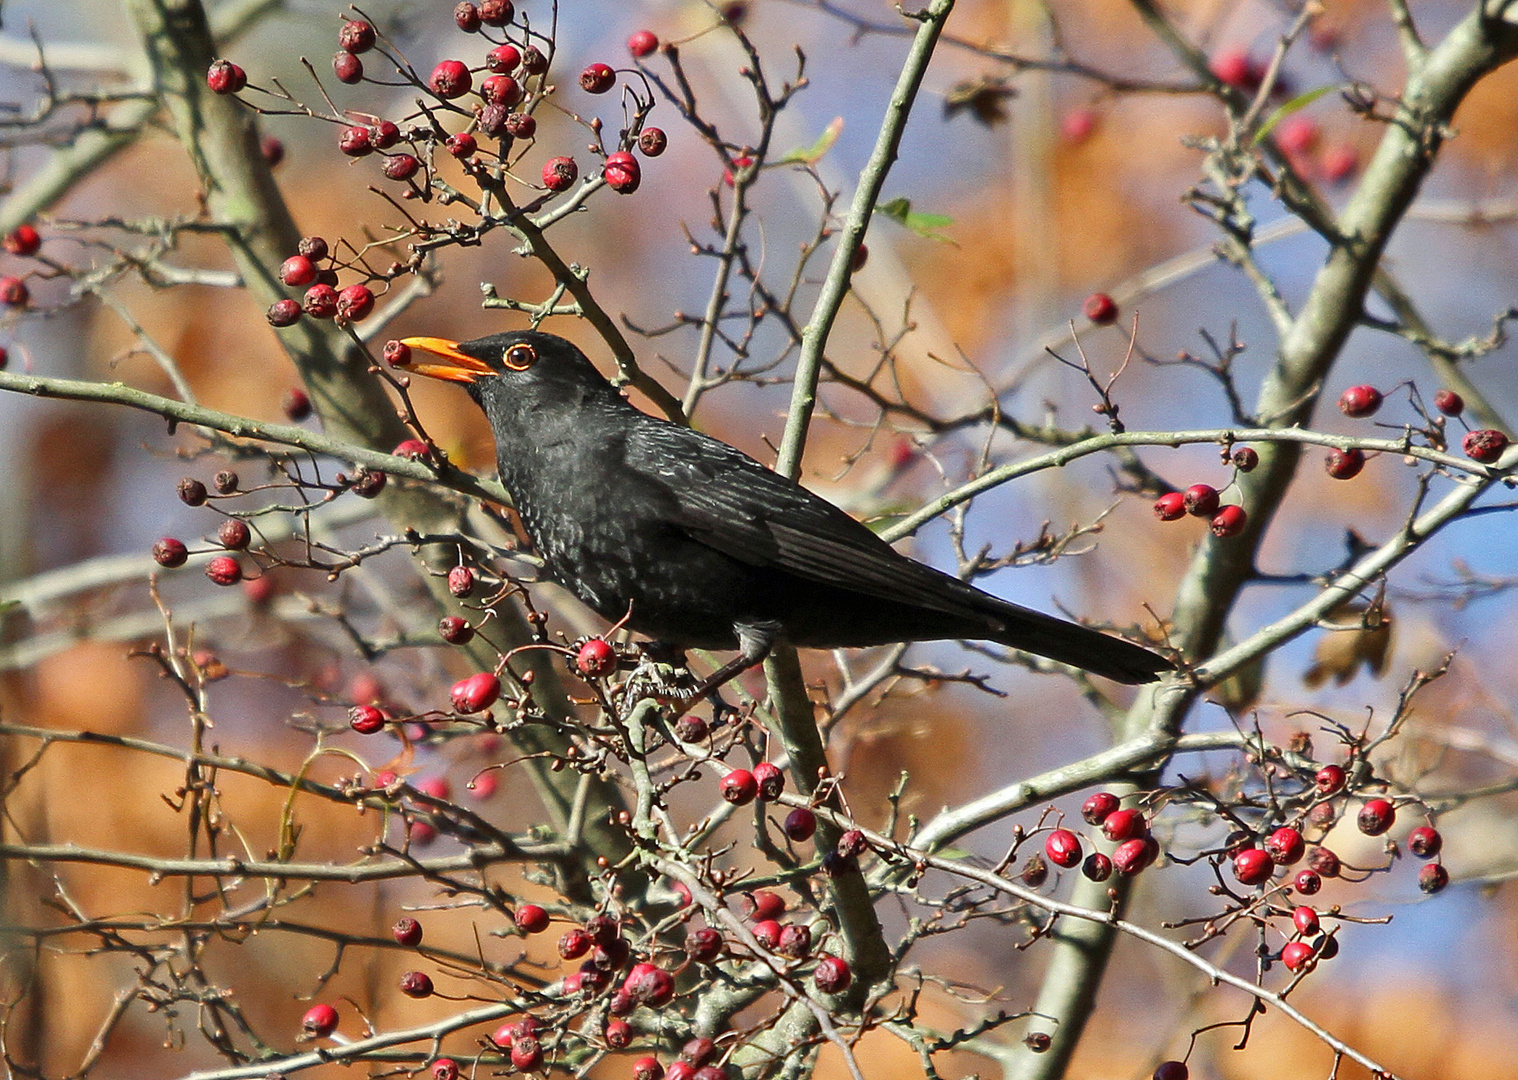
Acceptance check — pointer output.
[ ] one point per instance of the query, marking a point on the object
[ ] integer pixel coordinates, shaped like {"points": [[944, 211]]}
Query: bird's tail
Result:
{"points": [[1079, 646]]}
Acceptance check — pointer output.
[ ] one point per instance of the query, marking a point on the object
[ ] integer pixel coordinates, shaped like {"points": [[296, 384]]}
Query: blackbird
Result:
{"points": [[698, 545]]}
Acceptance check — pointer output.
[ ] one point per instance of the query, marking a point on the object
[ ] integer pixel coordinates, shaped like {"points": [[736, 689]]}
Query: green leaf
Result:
{"points": [[811, 155], [1296, 104], [900, 211]]}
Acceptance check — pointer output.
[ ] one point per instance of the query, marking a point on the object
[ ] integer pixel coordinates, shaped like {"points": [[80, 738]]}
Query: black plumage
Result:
{"points": [[701, 546]]}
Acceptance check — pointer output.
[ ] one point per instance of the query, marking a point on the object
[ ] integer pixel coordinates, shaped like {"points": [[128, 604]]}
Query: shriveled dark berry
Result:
{"points": [[192, 492], [320, 301], [832, 975], [401, 166], [367, 483], [357, 35], [496, 12], [313, 248], [466, 17], [1245, 458], [521, 125], [284, 312], [800, 825], [234, 534], [170, 552], [416, 984]]}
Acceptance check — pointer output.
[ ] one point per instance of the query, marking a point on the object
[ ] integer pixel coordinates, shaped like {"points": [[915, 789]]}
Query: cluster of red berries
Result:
{"points": [[1483, 444], [232, 535], [24, 241], [323, 299], [1205, 501]]}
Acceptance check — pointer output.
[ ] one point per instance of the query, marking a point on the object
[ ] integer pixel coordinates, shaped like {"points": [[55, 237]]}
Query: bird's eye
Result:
{"points": [[521, 357]]}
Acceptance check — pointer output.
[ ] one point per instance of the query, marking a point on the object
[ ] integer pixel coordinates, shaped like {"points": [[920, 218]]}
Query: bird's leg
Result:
{"points": [[754, 644]]}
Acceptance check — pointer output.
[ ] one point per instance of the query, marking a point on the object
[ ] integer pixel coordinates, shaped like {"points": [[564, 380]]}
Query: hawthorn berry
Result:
{"points": [[1252, 866], [1376, 816], [652, 141], [491, 118], [597, 79], [408, 932], [596, 658], [1171, 1070], [297, 271], [1133, 856], [1344, 464], [416, 984], [23, 240], [13, 292], [224, 570], [622, 172], [356, 36], [1098, 807], [618, 1034], [1360, 401], [1245, 458], [1078, 125], [348, 68], [501, 90], [414, 449], [526, 1053], [496, 12], [521, 125], [795, 941], [533, 60], [711, 1072], [1123, 825], [1285, 846], [1297, 956], [319, 1021], [647, 1068], [770, 779], [312, 247], [1228, 521], [703, 945], [385, 134], [800, 825], [574, 943], [286, 312], [1297, 134], [368, 483], [355, 303], [1484, 445], [450, 79], [503, 59], [225, 77], [651, 985], [1305, 919], [832, 975], [461, 581], [170, 552], [1307, 882], [1201, 500], [462, 145], [445, 1069], [1449, 403], [764, 904], [355, 141], [1101, 309], [642, 43], [1329, 779], [1323, 862], [1063, 848], [320, 301], [739, 787], [397, 354], [466, 17], [1433, 878], [1097, 867], [690, 728], [191, 492], [366, 719], [1035, 871], [476, 693], [1425, 841], [767, 933], [1232, 68], [559, 173]]}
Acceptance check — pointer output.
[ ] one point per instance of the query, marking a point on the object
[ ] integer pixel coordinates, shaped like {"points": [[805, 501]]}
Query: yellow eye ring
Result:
{"points": [[520, 357]]}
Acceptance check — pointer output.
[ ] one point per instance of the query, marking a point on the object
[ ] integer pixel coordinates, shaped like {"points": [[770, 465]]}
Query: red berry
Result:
{"points": [[653, 986], [1285, 846], [652, 141], [559, 173], [1323, 862], [1097, 867], [1425, 841], [619, 1034], [691, 728], [1132, 856], [355, 141], [1484, 445], [170, 552], [795, 941], [466, 17], [319, 1021], [770, 779], [1297, 956], [1063, 848], [416, 984], [1078, 125], [596, 658], [1096, 809], [1360, 401], [462, 145], [501, 90], [475, 693], [490, 118], [397, 354], [1228, 521], [297, 270], [407, 932], [1232, 68], [356, 36], [224, 570], [1449, 403], [385, 135], [460, 581], [703, 945], [521, 126], [1297, 134], [765, 904], [496, 12], [450, 79], [1123, 825], [1201, 500], [739, 787], [1344, 464], [767, 933], [320, 301], [1100, 309], [526, 1053], [414, 449], [25, 240], [13, 292], [800, 824], [348, 68], [647, 1068], [1245, 458], [225, 77], [312, 247], [741, 162], [1171, 1070], [445, 1069], [1252, 866], [623, 176], [832, 975], [1433, 878], [503, 59], [1340, 163], [1329, 779], [1307, 882], [642, 43], [366, 719], [1376, 817], [711, 1072], [597, 79], [1305, 919], [698, 1051], [574, 944]]}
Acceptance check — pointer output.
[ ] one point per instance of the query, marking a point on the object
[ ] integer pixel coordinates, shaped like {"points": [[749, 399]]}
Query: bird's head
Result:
{"points": [[517, 369]]}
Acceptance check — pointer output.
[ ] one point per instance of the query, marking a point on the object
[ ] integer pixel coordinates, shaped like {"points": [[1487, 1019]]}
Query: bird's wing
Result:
{"points": [[723, 498]]}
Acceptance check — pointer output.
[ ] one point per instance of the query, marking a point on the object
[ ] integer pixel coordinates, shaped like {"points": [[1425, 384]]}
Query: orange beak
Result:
{"points": [[453, 365]]}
